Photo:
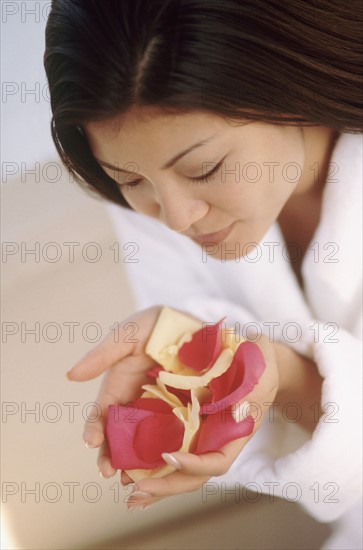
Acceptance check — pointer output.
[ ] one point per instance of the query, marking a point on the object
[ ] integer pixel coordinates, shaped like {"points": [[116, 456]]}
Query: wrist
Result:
{"points": [[299, 383], [284, 358]]}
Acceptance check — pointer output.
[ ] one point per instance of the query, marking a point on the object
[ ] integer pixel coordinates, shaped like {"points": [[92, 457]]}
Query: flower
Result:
{"points": [[202, 374]]}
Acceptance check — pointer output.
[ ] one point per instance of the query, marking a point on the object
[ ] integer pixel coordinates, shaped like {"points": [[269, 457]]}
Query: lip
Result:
{"points": [[214, 238]]}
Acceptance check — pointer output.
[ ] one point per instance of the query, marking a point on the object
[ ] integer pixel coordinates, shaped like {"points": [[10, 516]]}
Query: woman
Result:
{"points": [[235, 124]]}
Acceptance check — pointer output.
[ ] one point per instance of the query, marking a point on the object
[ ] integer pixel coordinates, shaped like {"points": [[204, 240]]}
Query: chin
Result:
{"points": [[233, 251]]}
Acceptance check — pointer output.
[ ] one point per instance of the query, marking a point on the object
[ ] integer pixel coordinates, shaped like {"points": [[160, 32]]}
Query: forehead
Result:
{"points": [[151, 128], [138, 119]]}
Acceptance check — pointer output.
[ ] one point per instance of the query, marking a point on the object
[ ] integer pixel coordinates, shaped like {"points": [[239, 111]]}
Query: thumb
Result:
{"points": [[108, 352]]}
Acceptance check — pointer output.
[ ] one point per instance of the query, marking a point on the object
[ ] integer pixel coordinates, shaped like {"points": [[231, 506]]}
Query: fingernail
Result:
{"points": [[101, 474], [67, 375], [140, 507], [240, 411], [138, 494], [89, 446], [171, 460]]}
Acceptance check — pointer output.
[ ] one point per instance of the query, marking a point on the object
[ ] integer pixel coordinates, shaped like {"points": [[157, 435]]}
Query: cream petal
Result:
{"points": [[231, 340], [240, 411], [193, 423], [172, 328], [159, 391], [192, 382]]}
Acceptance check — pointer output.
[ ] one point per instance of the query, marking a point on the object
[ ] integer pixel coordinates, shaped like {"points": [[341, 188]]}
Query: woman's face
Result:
{"points": [[253, 170]]}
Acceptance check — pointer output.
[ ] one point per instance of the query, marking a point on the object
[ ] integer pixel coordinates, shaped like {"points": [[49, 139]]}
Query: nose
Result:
{"points": [[180, 210]]}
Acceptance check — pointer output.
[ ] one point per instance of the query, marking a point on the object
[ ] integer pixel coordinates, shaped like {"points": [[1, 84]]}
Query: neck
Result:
{"points": [[319, 144]]}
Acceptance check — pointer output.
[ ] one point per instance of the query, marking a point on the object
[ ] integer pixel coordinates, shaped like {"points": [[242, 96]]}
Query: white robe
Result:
{"points": [[322, 471]]}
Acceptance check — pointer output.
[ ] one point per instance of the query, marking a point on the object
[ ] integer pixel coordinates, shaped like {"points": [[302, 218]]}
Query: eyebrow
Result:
{"points": [[170, 163]]}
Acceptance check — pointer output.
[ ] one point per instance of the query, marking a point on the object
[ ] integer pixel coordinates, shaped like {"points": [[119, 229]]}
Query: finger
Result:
{"points": [[104, 461], [211, 464], [134, 502], [95, 426], [116, 346], [100, 358], [147, 490]]}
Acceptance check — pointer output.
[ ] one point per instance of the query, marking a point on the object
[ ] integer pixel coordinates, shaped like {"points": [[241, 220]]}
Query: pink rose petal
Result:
{"points": [[138, 434], [238, 381], [204, 348], [157, 434], [216, 430]]}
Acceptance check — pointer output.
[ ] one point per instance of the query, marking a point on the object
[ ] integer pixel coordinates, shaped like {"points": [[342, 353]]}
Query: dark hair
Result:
{"points": [[254, 59]]}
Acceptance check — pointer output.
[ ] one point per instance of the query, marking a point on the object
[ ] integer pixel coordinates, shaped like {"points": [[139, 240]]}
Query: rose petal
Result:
{"points": [[137, 435], [157, 434], [216, 430], [169, 329], [182, 395], [192, 382], [159, 390], [238, 381], [191, 420], [204, 348]]}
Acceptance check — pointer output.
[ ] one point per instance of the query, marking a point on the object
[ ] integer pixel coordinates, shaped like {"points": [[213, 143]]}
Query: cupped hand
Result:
{"points": [[121, 356], [194, 470]]}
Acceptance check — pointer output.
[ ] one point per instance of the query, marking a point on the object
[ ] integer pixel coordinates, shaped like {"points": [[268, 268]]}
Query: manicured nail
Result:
{"points": [[240, 411], [171, 460], [89, 446], [138, 494]]}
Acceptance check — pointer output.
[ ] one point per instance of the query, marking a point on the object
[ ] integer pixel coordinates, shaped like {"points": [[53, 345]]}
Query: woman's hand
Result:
{"points": [[123, 358], [288, 377], [194, 470], [126, 364]]}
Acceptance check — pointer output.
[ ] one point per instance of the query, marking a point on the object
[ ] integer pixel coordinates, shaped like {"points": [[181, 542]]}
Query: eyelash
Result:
{"points": [[208, 176], [200, 179]]}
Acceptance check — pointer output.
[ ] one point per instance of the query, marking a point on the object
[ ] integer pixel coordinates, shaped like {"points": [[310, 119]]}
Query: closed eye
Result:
{"points": [[206, 177], [200, 179]]}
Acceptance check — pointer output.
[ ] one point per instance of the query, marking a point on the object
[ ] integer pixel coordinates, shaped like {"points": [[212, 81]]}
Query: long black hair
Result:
{"points": [[254, 59]]}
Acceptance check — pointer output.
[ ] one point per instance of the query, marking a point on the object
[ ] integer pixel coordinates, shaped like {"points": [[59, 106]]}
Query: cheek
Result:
{"points": [[253, 197], [265, 175], [141, 200]]}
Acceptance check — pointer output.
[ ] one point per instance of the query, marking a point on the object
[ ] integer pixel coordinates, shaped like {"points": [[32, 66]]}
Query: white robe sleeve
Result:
{"points": [[328, 466], [322, 472]]}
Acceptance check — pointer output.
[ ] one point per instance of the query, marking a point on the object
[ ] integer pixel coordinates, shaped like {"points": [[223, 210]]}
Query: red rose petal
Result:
{"points": [[216, 430], [238, 381], [181, 394], [157, 434], [204, 348], [135, 443]]}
